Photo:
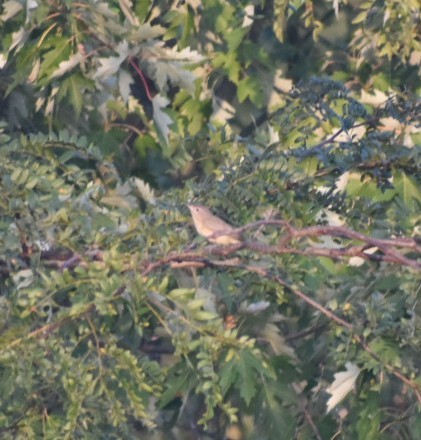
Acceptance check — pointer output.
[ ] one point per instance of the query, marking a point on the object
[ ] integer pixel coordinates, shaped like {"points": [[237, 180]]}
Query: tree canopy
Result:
{"points": [[297, 123]]}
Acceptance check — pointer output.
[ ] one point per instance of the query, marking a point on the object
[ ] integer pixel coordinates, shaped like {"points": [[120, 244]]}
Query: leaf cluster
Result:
{"points": [[115, 319]]}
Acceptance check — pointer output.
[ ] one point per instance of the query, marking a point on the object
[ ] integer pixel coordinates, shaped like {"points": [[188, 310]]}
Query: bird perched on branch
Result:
{"points": [[209, 225]]}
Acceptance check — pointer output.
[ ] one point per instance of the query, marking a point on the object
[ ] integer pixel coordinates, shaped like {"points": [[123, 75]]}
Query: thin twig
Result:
{"points": [[329, 140], [197, 258], [310, 421], [142, 77], [304, 333]]}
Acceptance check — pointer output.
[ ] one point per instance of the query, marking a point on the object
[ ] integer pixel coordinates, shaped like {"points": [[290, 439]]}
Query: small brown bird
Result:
{"points": [[207, 225]]}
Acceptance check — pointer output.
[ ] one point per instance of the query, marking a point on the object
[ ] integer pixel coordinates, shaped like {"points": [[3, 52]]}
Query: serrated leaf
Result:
{"points": [[146, 32], [344, 383], [242, 370], [110, 65], [247, 377], [162, 120], [159, 51], [144, 190], [53, 58], [244, 89], [168, 64], [67, 65], [173, 72]]}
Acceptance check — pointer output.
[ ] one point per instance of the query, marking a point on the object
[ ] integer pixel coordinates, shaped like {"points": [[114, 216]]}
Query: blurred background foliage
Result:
{"points": [[116, 114]]}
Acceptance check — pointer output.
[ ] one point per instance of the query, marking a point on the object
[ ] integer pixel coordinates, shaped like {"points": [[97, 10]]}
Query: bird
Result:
{"points": [[208, 225]]}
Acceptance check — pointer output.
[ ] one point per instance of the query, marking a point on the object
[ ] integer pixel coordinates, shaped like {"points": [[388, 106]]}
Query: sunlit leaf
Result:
{"points": [[162, 120], [343, 384], [67, 65], [109, 66]]}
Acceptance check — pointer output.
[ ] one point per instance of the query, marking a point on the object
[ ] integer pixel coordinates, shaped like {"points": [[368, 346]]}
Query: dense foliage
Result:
{"points": [[298, 122]]}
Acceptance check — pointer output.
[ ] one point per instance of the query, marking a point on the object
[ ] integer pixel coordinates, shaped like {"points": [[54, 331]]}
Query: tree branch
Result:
{"points": [[198, 260]]}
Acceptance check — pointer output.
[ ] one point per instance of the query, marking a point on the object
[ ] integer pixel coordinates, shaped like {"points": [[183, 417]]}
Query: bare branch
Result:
{"points": [[387, 246]]}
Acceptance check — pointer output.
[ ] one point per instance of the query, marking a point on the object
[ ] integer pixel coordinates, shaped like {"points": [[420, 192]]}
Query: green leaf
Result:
{"points": [[369, 419], [181, 293], [76, 85], [368, 189], [243, 371], [176, 385], [249, 88], [407, 187], [362, 16], [235, 37], [60, 51]]}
